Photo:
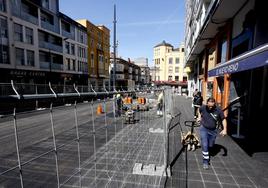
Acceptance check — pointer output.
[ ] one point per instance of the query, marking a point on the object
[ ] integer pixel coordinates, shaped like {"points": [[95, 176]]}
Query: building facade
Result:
{"points": [[98, 53], [142, 62], [127, 74], [169, 65], [226, 52], [37, 34]]}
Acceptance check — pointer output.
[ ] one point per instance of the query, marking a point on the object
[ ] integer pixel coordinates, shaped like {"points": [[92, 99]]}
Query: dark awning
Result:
{"points": [[255, 58]]}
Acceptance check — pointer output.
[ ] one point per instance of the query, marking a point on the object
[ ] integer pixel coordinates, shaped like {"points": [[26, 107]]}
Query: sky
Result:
{"points": [[141, 24]]}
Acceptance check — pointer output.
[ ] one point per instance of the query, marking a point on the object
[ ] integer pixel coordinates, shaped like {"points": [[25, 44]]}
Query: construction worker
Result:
{"points": [[119, 104], [197, 103], [209, 116], [160, 104]]}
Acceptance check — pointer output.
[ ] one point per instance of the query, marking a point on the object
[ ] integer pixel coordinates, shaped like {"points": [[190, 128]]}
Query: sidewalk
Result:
{"points": [[230, 167]]}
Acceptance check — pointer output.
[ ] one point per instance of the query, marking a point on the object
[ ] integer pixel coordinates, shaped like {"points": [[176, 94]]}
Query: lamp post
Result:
{"points": [[114, 47]]}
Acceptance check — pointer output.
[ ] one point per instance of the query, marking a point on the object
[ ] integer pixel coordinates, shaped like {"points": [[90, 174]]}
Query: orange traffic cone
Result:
{"points": [[99, 109]]}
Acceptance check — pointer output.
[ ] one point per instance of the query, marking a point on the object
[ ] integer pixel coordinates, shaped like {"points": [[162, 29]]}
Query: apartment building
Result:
{"points": [[226, 46], [75, 49], [127, 74], [99, 53], [142, 62], [33, 33], [169, 65]]}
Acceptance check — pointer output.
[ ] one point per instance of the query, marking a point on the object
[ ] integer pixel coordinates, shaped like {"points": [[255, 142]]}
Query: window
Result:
{"points": [[73, 62], [19, 56], [81, 37], [66, 26], [100, 59], [44, 57], [28, 8], [18, 35], [182, 49], [92, 60], [3, 27], [176, 78], [72, 49], [91, 42], [177, 69], [177, 60], [29, 35], [48, 18], [223, 48], [68, 64], [170, 69], [4, 54], [184, 78], [30, 58], [67, 47], [169, 78], [45, 4], [3, 5], [170, 60]]}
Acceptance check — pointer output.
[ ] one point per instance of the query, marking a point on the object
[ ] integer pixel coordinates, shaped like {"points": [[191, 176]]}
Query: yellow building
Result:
{"points": [[169, 62], [98, 54]]}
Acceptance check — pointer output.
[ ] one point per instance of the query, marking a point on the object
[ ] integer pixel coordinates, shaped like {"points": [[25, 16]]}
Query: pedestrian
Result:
{"points": [[209, 117], [197, 103], [194, 94]]}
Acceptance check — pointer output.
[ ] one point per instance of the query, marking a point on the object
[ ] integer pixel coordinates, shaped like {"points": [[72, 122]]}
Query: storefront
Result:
{"points": [[248, 91]]}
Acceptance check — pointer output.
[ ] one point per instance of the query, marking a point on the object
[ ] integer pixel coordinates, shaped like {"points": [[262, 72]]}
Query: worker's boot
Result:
{"points": [[193, 147], [189, 147]]}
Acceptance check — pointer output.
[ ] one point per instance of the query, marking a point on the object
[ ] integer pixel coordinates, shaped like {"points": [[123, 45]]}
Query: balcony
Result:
{"points": [[119, 68], [27, 17], [120, 76], [54, 66], [44, 65], [68, 34], [130, 70], [50, 46], [49, 27]]}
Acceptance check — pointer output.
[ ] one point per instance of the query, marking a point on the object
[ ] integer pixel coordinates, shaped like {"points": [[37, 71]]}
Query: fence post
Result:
{"points": [[54, 142], [17, 146], [78, 144], [94, 142]]}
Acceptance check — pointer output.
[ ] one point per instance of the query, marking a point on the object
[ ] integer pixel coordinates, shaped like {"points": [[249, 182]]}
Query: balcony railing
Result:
{"points": [[120, 76], [29, 18], [67, 34], [50, 46], [49, 27], [44, 65], [54, 66]]}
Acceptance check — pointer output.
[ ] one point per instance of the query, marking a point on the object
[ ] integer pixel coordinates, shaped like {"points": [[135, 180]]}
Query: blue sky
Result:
{"points": [[141, 24]]}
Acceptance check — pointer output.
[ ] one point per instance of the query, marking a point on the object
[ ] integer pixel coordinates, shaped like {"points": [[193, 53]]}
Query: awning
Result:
{"points": [[249, 60]]}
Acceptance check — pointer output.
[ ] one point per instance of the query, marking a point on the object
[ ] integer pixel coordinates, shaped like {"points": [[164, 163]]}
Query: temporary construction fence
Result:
{"points": [[74, 146]]}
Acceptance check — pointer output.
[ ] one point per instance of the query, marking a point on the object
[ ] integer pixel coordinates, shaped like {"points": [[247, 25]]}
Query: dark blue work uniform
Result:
{"points": [[208, 130]]}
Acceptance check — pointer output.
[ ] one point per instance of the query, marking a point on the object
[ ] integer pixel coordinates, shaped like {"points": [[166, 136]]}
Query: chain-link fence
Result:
{"points": [[87, 143]]}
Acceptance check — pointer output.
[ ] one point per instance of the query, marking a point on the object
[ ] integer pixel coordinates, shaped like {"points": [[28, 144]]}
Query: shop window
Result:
{"points": [[209, 89], [223, 50]]}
